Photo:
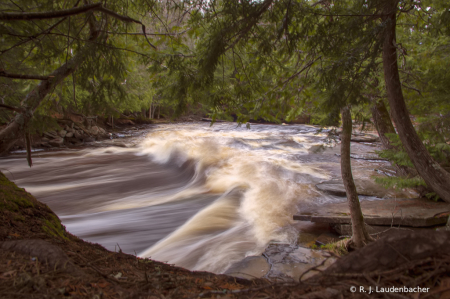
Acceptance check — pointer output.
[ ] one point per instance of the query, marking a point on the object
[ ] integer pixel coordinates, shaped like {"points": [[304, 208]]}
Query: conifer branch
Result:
{"points": [[153, 34], [13, 16], [25, 16], [22, 76], [11, 108]]}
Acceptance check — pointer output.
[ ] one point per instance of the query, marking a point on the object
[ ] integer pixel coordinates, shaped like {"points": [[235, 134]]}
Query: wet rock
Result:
{"points": [[56, 142], [292, 262], [94, 130], [122, 121], [249, 268], [365, 138], [62, 133], [89, 139], [78, 135], [51, 134]]}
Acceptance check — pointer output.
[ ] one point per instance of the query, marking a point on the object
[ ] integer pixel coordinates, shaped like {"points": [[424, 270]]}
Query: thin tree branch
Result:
{"points": [[20, 110], [153, 34], [24, 16], [412, 88], [10, 16], [22, 76]]}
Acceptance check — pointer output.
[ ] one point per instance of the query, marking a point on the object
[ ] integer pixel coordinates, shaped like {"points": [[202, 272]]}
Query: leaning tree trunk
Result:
{"points": [[16, 128], [384, 126], [433, 174], [360, 236]]}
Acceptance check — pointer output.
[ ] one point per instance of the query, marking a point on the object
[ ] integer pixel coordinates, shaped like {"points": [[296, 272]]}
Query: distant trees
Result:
{"points": [[82, 53], [326, 53]]}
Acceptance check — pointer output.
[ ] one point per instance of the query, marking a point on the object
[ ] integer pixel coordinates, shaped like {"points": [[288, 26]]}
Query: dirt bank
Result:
{"points": [[39, 259]]}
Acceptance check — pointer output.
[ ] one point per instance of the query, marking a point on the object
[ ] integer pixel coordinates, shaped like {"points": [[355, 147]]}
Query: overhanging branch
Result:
{"points": [[22, 76], [20, 110], [25, 16]]}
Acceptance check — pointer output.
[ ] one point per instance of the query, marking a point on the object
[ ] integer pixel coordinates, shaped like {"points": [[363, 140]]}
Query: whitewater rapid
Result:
{"points": [[192, 195]]}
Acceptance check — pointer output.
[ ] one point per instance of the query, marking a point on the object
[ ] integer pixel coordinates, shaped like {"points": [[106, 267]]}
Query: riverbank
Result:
{"points": [[158, 188], [42, 260]]}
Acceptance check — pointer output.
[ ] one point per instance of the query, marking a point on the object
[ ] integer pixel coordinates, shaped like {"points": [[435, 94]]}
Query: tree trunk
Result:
{"points": [[16, 128], [153, 113], [150, 111], [433, 174], [159, 110], [384, 126], [360, 236]]}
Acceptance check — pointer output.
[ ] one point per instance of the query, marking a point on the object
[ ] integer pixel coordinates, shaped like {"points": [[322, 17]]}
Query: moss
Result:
{"points": [[13, 198], [14, 201], [54, 228], [19, 218], [339, 248]]}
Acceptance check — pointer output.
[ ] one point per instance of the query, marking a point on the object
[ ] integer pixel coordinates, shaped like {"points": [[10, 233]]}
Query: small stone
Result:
{"points": [[69, 134]]}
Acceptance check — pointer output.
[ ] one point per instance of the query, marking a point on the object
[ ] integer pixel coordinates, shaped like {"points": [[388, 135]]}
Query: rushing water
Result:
{"points": [[196, 196]]}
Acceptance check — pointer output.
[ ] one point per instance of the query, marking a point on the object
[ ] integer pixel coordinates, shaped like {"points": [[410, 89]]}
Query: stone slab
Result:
{"points": [[364, 186], [378, 230], [249, 268], [415, 212]]}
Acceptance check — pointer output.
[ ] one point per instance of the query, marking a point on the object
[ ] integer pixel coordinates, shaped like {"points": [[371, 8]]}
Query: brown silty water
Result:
{"points": [[196, 196]]}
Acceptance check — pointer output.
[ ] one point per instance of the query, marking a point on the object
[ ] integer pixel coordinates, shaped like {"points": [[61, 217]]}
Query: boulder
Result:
{"points": [[56, 142], [94, 130], [78, 135], [62, 133], [89, 139], [69, 134], [102, 131], [51, 134], [122, 121]]}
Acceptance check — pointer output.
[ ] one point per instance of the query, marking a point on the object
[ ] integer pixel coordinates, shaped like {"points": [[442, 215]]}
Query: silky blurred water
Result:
{"points": [[189, 194]]}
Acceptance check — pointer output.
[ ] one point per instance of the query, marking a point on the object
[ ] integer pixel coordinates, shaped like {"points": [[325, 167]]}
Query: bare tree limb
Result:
{"points": [[412, 88]]}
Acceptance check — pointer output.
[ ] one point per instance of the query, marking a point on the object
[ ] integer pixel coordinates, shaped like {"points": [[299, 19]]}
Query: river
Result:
{"points": [[197, 196]]}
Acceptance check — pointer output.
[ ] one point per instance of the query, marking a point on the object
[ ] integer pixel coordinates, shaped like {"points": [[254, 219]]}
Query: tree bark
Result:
{"points": [[384, 126], [150, 111], [360, 236], [433, 174], [16, 128], [13, 131]]}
